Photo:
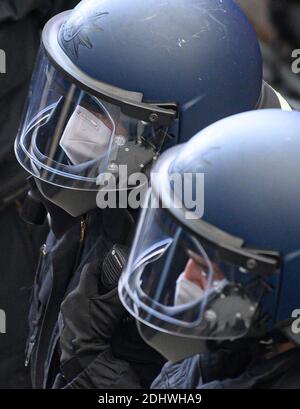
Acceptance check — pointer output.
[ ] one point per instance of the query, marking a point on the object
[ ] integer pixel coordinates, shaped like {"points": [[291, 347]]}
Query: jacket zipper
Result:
{"points": [[32, 340], [82, 229], [56, 337]]}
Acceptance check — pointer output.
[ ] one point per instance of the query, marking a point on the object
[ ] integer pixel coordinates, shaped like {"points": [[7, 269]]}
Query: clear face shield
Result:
{"points": [[70, 137], [178, 284]]}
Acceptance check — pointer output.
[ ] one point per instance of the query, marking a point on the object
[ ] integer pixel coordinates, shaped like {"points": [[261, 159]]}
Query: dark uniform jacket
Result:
{"points": [[80, 335], [238, 370]]}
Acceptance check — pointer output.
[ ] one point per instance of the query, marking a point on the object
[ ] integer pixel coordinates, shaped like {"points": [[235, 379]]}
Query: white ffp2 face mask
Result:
{"points": [[86, 137], [186, 291]]}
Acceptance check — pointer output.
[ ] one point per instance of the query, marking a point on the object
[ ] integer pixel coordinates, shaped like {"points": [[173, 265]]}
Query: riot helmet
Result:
{"points": [[200, 277], [117, 82]]}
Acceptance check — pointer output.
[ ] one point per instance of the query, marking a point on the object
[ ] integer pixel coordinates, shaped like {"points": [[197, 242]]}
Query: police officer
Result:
{"points": [[217, 292], [117, 83]]}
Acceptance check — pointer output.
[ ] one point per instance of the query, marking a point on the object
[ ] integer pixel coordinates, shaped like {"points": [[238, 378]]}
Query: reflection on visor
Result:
{"points": [[154, 253], [176, 284], [69, 138]]}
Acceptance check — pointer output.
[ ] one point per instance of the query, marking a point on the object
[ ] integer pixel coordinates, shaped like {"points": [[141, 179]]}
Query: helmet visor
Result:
{"points": [[178, 284], [70, 137]]}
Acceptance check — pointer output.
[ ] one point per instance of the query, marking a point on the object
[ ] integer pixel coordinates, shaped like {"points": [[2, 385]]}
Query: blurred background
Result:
{"points": [[277, 23], [21, 22]]}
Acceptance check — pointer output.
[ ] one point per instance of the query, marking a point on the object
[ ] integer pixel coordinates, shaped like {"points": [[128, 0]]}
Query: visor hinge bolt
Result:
{"points": [[120, 140], [210, 315], [153, 117], [113, 167], [251, 264]]}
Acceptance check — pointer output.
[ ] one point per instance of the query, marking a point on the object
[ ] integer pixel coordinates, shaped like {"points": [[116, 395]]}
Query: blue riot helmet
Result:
{"points": [[117, 82], [198, 279]]}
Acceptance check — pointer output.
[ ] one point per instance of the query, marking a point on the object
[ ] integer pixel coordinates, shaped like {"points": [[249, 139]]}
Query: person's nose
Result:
{"points": [[195, 274]]}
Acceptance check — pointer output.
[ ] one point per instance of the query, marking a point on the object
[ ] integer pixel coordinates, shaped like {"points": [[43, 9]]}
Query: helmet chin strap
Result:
{"points": [[280, 348]]}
